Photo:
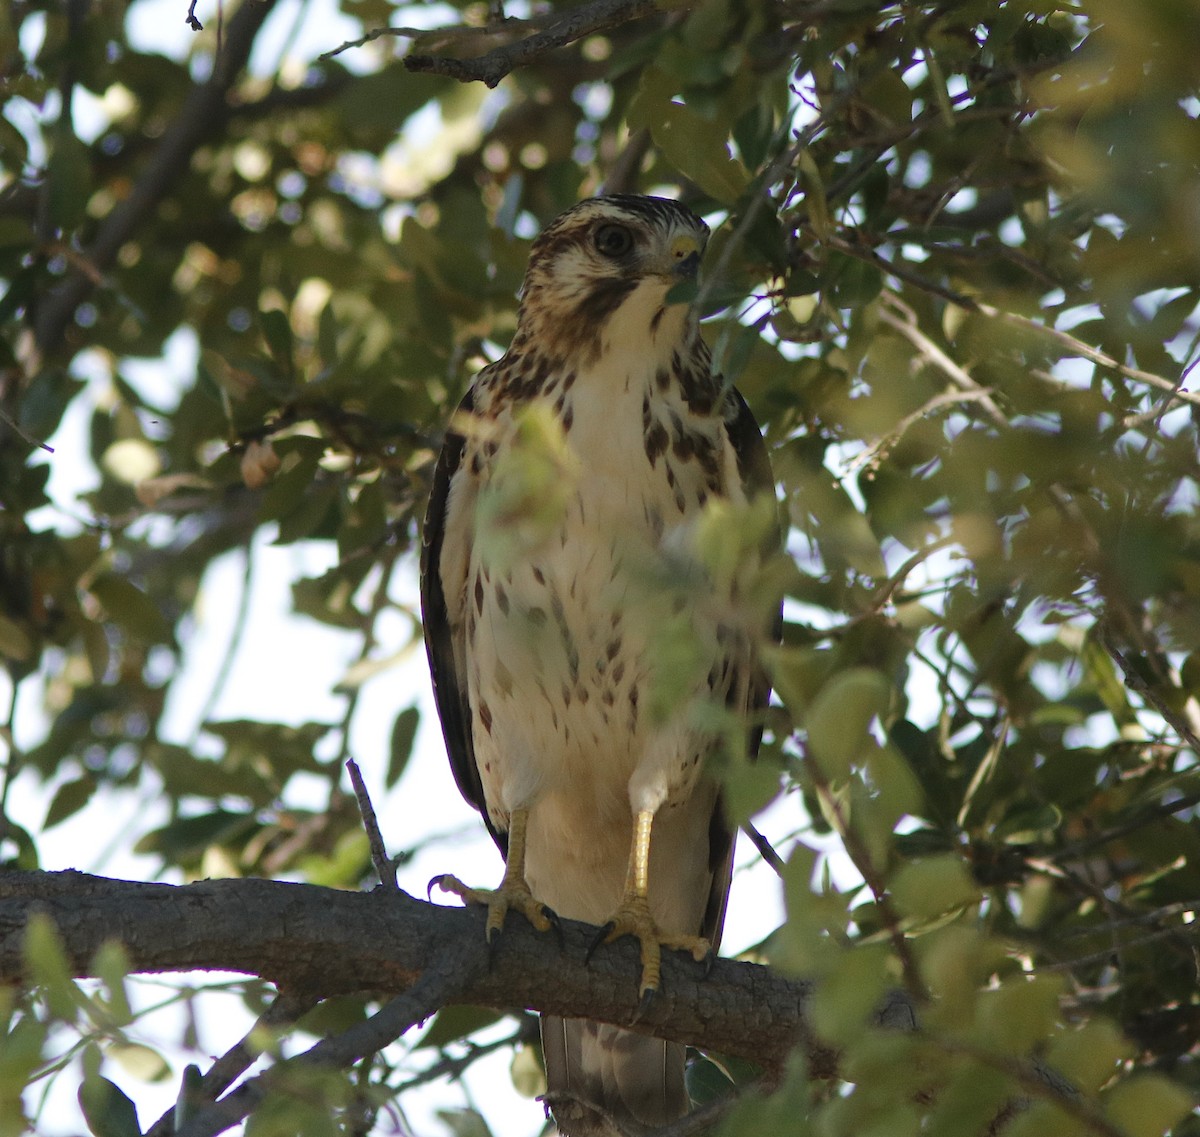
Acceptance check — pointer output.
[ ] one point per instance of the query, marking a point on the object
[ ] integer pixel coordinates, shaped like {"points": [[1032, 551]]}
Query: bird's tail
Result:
{"points": [[599, 1077]]}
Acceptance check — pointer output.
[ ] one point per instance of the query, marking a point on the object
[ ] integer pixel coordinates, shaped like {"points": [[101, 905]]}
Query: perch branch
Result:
{"points": [[321, 941], [491, 67]]}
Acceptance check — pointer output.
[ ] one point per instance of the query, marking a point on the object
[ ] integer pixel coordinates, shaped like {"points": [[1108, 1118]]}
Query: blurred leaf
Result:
{"points": [[404, 733], [132, 608], [926, 888], [528, 1077], [109, 1112], [69, 799], [454, 1023], [1147, 1105], [838, 721], [45, 962]]}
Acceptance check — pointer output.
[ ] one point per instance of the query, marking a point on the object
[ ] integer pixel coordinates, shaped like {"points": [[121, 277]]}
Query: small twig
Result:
{"points": [[490, 68], [237, 1060], [453, 1067], [765, 849], [856, 848], [455, 33], [1136, 682], [13, 425], [379, 857], [888, 588], [1086, 351], [1149, 816], [434, 989], [901, 318], [1036, 1078], [623, 172], [872, 455], [191, 20], [240, 623]]}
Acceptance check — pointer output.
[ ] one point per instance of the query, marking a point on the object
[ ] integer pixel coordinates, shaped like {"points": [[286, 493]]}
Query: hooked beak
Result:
{"points": [[685, 257]]}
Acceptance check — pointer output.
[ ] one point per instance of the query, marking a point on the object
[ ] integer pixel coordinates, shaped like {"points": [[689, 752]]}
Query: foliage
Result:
{"points": [[955, 273]]}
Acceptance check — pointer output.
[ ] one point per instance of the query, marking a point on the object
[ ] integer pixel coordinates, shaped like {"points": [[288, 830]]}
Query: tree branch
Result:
{"points": [[203, 112], [434, 989], [322, 941], [490, 68]]}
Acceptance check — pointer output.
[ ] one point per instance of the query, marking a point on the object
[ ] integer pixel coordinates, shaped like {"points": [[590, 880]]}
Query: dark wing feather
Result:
{"points": [[754, 467], [449, 687]]}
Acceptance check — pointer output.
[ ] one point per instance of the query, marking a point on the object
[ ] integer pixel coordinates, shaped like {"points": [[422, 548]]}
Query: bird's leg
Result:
{"points": [[633, 918], [514, 889]]}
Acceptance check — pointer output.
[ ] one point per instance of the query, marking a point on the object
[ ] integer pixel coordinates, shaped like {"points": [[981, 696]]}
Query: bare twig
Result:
{"points": [[901, 318], [1086, 351], [1149, 816], [1037, 1079], [237, 1060], [1137, 682], [765, 849], [622, 174], [379, 858], [431, 991], [457, 34], [490, 68], [17, 429], [191, 20], [871, 456]]}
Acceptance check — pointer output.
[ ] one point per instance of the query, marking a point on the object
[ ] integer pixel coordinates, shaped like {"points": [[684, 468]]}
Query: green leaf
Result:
{"points": [[131, 608], [454, 1023], [839, 720], [528, 1077], [69, 178], [277, 331], [111, 966], [1147, 1105], [70, 798], [849, 993], [706, 1081], [106, 1109], [47, 965], [926, 888], [404, 733], [1089, 1056], [1019, 1014], [464, 1123]]}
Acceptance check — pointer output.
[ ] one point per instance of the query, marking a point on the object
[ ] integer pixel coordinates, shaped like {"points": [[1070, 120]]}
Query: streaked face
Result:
{"points": [[592, 257], [618, 238]]}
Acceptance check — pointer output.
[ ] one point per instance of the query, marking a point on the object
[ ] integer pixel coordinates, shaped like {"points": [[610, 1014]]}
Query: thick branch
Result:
{"points": [[490, 68], [322, 941], [203, 112]]}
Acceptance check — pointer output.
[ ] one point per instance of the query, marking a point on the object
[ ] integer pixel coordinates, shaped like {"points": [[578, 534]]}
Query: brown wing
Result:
{"points": [[445, 654], [754, 467]]}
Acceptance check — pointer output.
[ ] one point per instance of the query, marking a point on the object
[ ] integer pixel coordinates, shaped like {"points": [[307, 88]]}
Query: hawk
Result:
{"points": [[588, 639]]}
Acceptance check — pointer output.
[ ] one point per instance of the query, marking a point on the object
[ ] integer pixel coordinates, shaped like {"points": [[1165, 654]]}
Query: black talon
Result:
{"points": [[597, 940], [709, 959], [429, 887], [556, 924], [644, 1004], [493, 940]]}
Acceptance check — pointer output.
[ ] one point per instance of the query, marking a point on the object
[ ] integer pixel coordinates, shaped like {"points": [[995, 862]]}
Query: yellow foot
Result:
{"points": [[510, 894], [633, 918]]}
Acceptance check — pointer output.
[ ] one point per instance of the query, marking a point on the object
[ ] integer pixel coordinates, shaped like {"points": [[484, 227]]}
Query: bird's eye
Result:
{"points": [[613, 240]]}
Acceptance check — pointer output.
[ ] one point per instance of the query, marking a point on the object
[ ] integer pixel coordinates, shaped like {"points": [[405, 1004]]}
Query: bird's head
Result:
{"points": [[611, 258]]}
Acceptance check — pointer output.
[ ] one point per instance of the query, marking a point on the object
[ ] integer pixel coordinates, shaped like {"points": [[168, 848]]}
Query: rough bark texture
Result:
{"points": [[323, 942]]}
